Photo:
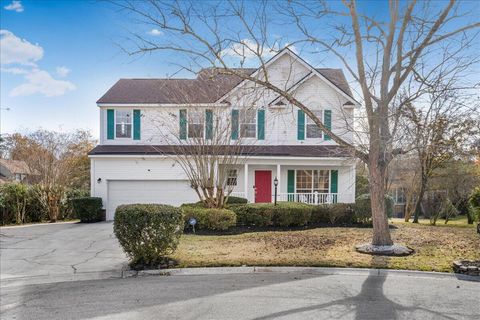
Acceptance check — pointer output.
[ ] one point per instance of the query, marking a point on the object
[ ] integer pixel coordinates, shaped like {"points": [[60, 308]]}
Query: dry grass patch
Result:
{"points": [[436, 248]]}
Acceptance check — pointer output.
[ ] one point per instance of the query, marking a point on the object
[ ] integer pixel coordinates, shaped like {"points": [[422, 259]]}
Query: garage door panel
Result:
{"points": [[173, 192]]}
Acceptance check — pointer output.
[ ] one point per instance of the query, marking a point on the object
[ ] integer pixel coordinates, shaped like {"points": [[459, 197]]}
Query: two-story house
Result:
{"points": [[134, 164]]}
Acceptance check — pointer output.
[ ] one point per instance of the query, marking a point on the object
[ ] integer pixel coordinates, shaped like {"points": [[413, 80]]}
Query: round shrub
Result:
{"points": [[148, 232], [236, 200], [210, 218], [87, 209], [363, 208]]}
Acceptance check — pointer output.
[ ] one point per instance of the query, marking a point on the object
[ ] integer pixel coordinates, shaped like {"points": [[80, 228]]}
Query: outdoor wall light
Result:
{"points": [[99, 180]]}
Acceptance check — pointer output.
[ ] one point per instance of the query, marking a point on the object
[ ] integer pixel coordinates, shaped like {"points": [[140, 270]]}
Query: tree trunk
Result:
{"points": [[418, 203], [381, 233]]}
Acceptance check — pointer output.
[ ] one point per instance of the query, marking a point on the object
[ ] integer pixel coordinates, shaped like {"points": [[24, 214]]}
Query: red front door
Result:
{"points": [[263, 186]]}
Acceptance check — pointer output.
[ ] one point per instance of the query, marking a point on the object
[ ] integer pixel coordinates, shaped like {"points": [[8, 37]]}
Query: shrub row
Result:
{"points": [[209, 218], [284, 214], [21, 203]]}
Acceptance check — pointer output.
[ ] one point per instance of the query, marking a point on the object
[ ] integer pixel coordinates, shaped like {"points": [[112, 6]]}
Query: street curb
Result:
{"points": [[127, 273], [39, 224], [302, 270]]}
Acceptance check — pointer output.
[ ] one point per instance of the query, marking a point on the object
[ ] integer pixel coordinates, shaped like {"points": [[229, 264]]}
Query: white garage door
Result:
{"points": [[173, 192]]}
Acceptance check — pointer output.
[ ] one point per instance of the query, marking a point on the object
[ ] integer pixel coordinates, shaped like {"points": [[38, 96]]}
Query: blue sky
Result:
{"points": [[65, 56], [79, 38]]}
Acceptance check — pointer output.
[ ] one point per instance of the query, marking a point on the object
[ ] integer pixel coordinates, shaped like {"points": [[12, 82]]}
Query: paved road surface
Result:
{"points": [[248, 296]]}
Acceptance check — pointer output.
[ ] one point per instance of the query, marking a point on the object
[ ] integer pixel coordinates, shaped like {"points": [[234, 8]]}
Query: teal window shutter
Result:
{"points": [[301, 125], [327, 121], [209, 124], [261, 124], [110, 124], [334, 184], [183, 124], [291, 185], [235, 124], [136, 124]]}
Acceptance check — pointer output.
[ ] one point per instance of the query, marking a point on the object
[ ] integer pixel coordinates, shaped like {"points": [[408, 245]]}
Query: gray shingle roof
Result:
{"points": [[279, 151], [209, 86]]}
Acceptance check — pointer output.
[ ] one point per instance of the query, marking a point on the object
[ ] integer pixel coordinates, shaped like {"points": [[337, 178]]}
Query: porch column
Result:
{"points": [[245, 176]]}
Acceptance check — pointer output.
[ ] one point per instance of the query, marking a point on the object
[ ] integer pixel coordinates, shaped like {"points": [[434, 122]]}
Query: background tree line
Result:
{"points": [[60, 170]]}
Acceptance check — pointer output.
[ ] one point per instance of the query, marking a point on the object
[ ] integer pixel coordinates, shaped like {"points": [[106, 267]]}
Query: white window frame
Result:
{"points": [[240, 122], [235, 177], [313, 176], [131, 123], [202, 113], [309, 121]]}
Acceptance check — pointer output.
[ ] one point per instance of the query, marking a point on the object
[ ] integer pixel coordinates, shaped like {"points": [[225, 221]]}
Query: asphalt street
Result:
{"points": [[258, 296]]}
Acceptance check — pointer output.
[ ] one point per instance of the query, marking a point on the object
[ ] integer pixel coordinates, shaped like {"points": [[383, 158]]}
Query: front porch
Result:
{"points": [[313, 181]]}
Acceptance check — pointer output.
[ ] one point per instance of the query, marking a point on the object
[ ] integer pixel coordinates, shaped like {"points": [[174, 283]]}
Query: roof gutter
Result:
{"points": [[164, 105]]}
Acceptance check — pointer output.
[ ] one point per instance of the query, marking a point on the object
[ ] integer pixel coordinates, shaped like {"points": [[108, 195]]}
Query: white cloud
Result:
{"points": [[15, 6], [16, 50], [40, 81], [62, 71], [155, 32], [14, 70], [248, 49]]}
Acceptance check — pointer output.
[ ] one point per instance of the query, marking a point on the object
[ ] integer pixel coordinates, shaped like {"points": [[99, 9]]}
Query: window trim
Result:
{"points": [[115, 124], [255, 122], [204, 124], [312, 191], [231, 177], [307, 119]]}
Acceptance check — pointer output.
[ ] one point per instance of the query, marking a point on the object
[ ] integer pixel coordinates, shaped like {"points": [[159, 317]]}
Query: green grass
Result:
{"points": [[459, 221], [435, 248]]}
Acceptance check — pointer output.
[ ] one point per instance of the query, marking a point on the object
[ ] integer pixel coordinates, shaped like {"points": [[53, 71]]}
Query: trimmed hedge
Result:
{"points": [[363, 207], [87, 209], [209, 218], [284, 214], [148, 232], [236, 200], [332, 213]]}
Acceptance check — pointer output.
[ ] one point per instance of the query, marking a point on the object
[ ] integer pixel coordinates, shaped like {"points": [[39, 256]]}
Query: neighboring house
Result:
{"points": [[14, 170], [133, 163]]}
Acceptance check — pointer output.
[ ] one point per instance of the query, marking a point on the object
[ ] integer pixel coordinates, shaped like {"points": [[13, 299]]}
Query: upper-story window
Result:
{"points": [[196, 124], [248, 123], [313, 131], [123, 124]]}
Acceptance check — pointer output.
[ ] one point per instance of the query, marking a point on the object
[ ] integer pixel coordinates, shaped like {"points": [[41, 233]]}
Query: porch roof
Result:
{"points": [[274, 151]]}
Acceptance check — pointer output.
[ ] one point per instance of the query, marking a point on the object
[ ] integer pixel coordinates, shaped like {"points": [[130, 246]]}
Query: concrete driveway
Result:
{"points": [[59, 252]]}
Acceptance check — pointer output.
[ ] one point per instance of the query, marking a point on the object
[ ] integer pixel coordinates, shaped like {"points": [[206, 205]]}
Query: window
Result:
{"points": [[313, 131], [398, 195], [232, 177], [248, 124], [196, 124], [310, 181], [123, 123]]}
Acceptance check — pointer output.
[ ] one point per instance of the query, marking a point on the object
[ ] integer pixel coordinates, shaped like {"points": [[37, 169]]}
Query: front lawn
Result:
{"points": [[435, 248]]}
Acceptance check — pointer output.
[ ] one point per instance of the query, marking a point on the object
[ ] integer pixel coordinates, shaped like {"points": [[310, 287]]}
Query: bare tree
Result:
{"points": [[387, 53], [440, 129], [202, 145]]}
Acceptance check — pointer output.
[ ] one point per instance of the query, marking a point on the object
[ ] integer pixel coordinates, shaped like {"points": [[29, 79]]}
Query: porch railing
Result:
{"points": [[310, 198], [238, 194]]}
